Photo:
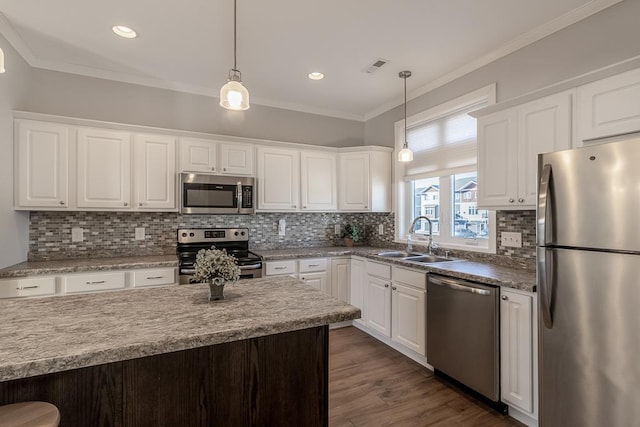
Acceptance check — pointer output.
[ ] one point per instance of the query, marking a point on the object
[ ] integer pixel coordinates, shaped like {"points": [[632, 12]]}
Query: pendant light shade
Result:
{"points": [[233, 95], [2, 70], [405, 155]]}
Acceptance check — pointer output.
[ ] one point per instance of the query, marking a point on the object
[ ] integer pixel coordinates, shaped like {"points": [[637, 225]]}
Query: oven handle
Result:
{"points": [[256, 266], [187, 271]]}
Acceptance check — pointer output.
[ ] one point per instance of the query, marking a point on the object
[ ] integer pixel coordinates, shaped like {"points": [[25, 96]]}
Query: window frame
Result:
{"points": [[403, 192]]}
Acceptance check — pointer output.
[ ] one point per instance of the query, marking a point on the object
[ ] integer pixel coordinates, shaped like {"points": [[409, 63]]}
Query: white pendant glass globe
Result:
{"points": [[234, 96], [405, 155]]}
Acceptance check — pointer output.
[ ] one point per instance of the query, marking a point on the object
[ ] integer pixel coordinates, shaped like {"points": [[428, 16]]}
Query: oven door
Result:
{"points": [[251, 271], [213, 194]]}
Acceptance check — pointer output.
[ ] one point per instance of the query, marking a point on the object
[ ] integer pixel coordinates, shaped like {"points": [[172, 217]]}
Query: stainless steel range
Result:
{"points": [[234, 240]]}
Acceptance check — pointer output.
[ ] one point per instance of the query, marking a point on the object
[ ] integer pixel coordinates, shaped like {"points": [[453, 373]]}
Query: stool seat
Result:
{"points": [[29, 414]]}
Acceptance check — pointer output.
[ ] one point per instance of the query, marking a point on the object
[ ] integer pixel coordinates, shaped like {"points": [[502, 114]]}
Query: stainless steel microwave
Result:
{"points": [[216, 194]]}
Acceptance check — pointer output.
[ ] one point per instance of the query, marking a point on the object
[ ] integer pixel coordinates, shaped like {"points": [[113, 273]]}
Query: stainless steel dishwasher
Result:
{"points": [[463, 334]]}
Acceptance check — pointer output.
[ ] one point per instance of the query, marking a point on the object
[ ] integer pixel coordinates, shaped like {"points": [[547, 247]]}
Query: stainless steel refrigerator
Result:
{"points": [[588, 235]]}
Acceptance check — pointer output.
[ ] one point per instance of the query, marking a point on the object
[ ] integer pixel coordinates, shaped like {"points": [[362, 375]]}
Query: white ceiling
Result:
{"points": [[188, 45]]}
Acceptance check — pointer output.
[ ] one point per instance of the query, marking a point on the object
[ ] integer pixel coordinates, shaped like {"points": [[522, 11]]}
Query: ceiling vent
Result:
{"points": [[375, 65]]}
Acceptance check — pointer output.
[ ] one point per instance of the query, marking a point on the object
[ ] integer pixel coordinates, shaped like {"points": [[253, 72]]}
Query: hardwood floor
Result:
{"points": [[370, 384]]}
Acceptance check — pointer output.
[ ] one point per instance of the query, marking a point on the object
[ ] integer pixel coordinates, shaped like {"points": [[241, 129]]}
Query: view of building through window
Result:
{"points": [[426, 202]]}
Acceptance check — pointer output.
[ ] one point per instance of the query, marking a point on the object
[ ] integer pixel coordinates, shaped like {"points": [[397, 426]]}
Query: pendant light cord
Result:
{"points": [[406, 143], [235, 35]]}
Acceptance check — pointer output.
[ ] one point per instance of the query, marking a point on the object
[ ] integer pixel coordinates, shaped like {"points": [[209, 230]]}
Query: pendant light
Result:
{"points": [[2, 70], [233, 95], [405, 155]]}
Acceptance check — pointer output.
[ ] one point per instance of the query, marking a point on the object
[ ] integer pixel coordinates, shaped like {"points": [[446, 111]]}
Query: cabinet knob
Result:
{"points": [[213, 169], [504, 298], [126, 204], [511, 200], [62, 202], [293, 206], [394, 288], [304, 207], [520, 200], [366, 207], [224, 169], [386, 286], [140, 204]]}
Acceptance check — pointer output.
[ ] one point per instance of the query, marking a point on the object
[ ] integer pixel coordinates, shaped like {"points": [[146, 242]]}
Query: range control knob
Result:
{"points": [[236, 233], [184, 234], [192, 234], [242, 233]]}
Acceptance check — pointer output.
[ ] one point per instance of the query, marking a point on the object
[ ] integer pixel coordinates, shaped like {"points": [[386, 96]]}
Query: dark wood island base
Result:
{"points": [[275, 380]]}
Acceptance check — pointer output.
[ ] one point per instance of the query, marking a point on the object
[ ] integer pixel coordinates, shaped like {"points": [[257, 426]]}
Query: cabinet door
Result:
{"points": [[408, 322], [278, 179], [354, 182], [319, 176], [516, 354], [340, 275], [378, 303], [104, 167], [544, 126], [236, 159], [42, 167], [497, 157], [356, 287], [609, 106], [155, 168], [197, 155], [317, 280]]}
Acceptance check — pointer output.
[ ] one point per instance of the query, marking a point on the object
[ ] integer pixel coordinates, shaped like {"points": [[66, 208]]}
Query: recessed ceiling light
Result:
{"points": [[123, 31], [315, 76]]}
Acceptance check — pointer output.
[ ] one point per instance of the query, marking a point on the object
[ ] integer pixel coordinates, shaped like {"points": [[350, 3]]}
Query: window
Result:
{"points": [[441, 183]]}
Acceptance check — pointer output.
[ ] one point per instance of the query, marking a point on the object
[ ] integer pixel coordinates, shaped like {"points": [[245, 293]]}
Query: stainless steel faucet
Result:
{"points": [[412, 231]]}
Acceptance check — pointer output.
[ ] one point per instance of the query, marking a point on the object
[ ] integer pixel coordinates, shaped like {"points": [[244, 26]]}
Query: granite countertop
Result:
{"points": [[481, 272], [46, 335], [31, 268]]}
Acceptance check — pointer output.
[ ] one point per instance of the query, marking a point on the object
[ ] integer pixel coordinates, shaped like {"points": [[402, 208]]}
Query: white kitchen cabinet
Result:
{"points": [[609, 107], [317, 280], [27, 287], [217, 157], [378, 303], [42, 165], [408, 309], [155, 172], [365, 181], [198, 155], [279, 268], [357, 286], [103, 169], [278, 179], [318, 184], [236, 158], [340, 275], [93, 282], [153, 277], [509, 142], [517, 335]]}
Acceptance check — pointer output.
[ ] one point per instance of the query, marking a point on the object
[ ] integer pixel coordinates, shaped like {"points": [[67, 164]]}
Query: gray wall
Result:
{"points": [[605, 38], [73, 95], [14, 226]]}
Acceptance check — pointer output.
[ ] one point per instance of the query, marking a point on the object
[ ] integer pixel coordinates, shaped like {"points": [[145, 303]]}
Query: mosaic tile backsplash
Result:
{"points": [[113, 233]]}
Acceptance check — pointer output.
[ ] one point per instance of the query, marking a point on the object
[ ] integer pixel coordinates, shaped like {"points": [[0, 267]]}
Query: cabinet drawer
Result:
{"points": [[27, 287], [314, 264], [410, 277], [380, 270], [93, 282], [153, 277], [281, 267]]}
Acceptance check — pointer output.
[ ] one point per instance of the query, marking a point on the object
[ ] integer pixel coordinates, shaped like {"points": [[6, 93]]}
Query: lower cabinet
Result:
{"points": [[356, 287], [340, 275], [518, 352], [378, 304], [317, 280]]}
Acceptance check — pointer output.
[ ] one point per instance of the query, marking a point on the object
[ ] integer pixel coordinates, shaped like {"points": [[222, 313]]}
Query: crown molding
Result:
{"points": [[519, 42]]}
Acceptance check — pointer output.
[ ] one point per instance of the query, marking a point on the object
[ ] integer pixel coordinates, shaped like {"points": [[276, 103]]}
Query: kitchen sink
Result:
{"points": [[398, 254], [427, 259]]}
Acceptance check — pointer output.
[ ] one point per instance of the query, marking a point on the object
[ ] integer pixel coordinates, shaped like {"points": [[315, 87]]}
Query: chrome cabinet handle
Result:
{"points": [[520, 200], [155, 277], [394, 288], [314, 265], [95, 283], [386, 286], [511, 200], [458, 287], [62, 202], [280, 268], [21, 288], [504, 298]]}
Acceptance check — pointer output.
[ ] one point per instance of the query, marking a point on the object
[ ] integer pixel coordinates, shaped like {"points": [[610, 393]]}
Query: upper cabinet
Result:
{"points": [[509, 142], [609, 107], [208, 156], [365, 181], [41, 171], [103, 169], [155, 172], [318, 184], [278, 179]]}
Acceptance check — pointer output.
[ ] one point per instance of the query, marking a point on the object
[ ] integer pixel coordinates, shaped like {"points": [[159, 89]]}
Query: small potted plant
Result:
{"points": [[217, 268], [350, 234]]}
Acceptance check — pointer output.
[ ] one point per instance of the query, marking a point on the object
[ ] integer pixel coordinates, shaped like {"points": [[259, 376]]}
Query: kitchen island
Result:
{"points": [[167, 356]]}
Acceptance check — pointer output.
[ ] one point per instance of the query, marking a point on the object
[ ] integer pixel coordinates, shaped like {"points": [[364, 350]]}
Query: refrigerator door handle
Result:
{"points": [[545, 284], [545, 218]]}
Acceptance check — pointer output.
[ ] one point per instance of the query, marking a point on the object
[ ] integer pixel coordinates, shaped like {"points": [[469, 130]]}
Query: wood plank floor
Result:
{"points": [[370, 384]]}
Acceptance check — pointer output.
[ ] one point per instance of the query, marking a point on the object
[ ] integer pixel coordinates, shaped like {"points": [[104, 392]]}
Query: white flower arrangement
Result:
{"points": [[216, 266]]}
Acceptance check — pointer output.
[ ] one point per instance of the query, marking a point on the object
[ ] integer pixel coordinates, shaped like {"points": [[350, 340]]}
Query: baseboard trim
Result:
{"points": [[523, 417]]}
